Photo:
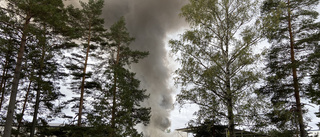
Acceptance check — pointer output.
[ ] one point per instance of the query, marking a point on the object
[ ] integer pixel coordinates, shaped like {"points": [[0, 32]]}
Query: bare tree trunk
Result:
{"points": [[231, 125], [295, 77], [36, 108], [230, 118], [3, 82], [229, 96], [35, 113], [24, 108], [113, 116], [16, 78], [229, 101], [213, 130], [84, 77]]}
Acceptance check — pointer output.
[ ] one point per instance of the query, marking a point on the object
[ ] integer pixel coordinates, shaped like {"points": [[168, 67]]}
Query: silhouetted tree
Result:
{"points": [[91, 29], [118, 109]]}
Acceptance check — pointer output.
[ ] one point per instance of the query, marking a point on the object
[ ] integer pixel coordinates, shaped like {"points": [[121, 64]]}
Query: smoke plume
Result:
{"points": [[149, 21]]}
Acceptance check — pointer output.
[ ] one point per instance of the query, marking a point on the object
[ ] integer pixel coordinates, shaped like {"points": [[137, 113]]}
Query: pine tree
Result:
{"points": [[27, 14], [91, 29], [9, 120], [217, 71], [46, 76], [8, 44], [289, 25], [40, 79], [118, 109], [26, 99], [314, 69]]}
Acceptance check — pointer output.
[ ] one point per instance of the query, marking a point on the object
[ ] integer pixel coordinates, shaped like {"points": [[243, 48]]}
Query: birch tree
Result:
{"points": [[217, 71]]}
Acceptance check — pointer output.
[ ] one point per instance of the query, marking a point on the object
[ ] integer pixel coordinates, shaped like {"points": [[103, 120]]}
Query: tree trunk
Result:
{"points": [[16, 78], [113, 116], [229, 96], [213, 131], [36, 108], [231, 125], [35, 113], [3, 82], [83, 78], [230, 118], [295, 77], [23, 109]]}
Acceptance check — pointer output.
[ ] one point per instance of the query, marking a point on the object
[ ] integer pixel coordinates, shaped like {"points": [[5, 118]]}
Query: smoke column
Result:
{"points": [[149, 21]]}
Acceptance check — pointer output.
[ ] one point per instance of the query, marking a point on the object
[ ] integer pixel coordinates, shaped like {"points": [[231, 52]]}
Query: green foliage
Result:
{"points": [[42, 69], [90, 30], [8, 49], [26, 19], [314, 85], [45, 31], [46, 11], [217, 70], [90, 21]]}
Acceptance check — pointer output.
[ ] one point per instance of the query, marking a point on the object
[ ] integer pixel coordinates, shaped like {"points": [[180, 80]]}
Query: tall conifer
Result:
{"points": [[118, 108], [9, 43], [288, 26], [91, 30], [27, 14]]}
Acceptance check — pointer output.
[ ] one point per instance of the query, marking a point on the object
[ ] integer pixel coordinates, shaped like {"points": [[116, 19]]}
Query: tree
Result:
{"points": [[314, 70], [314, 85], [91, 30], [29, 13], [46, 74], [118, 109], [24, 106], [217, 70], [8, 44], [289, 26]]}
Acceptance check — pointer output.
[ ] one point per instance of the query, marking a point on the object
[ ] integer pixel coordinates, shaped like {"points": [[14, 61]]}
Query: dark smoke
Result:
{"points": [[149, 21]]}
